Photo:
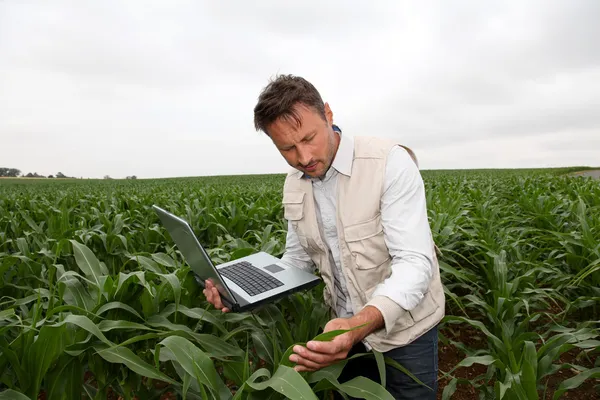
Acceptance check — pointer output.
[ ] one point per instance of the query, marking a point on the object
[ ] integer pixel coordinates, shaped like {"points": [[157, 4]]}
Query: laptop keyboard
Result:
{"points": [[251, 279]]}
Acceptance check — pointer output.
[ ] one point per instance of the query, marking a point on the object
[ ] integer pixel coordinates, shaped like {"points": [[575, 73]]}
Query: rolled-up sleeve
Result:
{"points": [[408, 237]]}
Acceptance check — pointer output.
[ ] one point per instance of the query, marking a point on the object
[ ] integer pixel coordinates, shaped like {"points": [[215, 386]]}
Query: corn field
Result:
{"points": [[96, 301]]}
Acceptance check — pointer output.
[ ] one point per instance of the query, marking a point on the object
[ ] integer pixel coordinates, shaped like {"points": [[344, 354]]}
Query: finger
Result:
{"points": [[217, 298], [303, 352], [331, 347], [303, 362], [301, 368], [208, 295], [225, 309]]}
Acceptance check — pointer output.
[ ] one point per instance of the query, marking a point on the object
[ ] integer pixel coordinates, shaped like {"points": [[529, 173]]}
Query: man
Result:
{"points": [[356, 211]]}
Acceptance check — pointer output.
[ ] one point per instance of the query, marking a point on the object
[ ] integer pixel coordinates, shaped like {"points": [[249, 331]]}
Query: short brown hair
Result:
{"points": [[280, 96]]}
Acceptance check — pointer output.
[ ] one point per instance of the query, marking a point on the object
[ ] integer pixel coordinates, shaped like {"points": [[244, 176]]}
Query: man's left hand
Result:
{"points": [[317, 354]]}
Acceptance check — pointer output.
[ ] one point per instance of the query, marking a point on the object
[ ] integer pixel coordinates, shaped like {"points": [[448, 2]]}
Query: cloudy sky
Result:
{"points": [[167, 88]]}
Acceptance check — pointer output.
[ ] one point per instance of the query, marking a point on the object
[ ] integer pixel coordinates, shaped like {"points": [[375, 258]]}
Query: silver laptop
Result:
{"points": [[244, 283]]}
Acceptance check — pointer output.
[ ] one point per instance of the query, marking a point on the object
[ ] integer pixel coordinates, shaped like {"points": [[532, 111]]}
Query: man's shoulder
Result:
{"points": [[373, 146]]}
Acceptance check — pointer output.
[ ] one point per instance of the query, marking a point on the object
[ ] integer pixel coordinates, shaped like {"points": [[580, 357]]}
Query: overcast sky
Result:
{"points": [[160, 89]]}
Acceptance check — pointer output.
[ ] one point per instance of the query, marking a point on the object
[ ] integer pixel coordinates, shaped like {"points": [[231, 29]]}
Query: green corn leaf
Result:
{"points": [[364, 388], [576, 381], [157, 321], [50, 344], [65, 382], [109, 325], [6, 315], [122, 355], [380, 359], [84, 323], [285, 381], [193, 360], [234, 371], [88, 263], [398, 366], [216, 347], [263, 347], [164, 259], [449, 389], [529, 371], [328, 336], [117, 305], [175, 285], [10, 394], [148, 264], [196, 313]]}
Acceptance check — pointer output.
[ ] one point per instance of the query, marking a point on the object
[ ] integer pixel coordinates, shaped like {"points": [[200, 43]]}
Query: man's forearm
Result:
{"points": [[370, 316]]}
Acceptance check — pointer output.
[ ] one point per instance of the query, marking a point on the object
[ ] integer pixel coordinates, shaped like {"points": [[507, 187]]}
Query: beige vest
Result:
{"points": [[365, 258]]}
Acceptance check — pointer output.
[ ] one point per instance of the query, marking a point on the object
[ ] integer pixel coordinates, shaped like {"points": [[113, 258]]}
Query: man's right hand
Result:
{"points": [[213, 296]]}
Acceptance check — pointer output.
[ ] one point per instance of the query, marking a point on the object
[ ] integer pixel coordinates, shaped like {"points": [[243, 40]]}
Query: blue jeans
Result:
{"points": [[419, 357]]}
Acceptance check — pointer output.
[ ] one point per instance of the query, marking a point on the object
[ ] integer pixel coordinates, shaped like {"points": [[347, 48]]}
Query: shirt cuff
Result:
{"points": [[389, 309]]}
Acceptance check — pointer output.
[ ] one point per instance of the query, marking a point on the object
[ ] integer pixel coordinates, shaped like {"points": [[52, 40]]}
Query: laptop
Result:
{"points": [[244, 283]]}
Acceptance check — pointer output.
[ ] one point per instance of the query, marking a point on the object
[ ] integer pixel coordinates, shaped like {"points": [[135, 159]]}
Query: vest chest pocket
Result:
{"points": [[293, 206], [367, 244]]}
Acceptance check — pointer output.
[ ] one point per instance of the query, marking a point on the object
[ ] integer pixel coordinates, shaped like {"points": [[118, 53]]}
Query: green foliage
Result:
{"points": [[95, 298]]}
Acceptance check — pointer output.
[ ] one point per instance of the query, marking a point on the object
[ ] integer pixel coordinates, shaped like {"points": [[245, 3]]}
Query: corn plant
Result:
{"points": [[96, 301]]}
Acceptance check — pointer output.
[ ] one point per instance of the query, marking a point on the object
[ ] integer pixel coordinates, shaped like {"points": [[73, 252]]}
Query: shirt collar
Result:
{"points": [[344, 156]]}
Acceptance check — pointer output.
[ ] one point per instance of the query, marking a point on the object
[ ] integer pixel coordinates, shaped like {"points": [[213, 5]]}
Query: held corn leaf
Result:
{"points": [[285, 381], [328, 336], [323, 337], [122, 355]]}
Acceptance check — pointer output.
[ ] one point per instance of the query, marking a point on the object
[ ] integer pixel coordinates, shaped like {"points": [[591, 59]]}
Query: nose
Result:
{"points": [[304, 156]]}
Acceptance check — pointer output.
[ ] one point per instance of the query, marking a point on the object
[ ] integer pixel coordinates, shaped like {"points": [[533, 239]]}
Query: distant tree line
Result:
{"points": [[15, 173], [9, 172]]}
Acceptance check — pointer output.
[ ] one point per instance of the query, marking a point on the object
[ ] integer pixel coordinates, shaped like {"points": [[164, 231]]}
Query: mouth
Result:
{"points": [[311, 167]]}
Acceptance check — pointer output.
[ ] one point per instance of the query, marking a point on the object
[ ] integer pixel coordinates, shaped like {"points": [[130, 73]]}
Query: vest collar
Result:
{"points": [[344, 157]]}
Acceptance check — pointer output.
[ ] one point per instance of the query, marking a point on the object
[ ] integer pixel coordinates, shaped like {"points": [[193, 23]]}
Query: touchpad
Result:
{"points": [[274, 268]]}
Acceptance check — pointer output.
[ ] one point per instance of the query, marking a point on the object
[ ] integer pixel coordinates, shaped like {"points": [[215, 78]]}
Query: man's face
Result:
{"points": [[310, 147]]}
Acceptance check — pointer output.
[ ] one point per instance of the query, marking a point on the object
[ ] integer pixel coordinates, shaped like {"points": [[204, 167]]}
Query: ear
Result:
{"points": [[328, 114]]}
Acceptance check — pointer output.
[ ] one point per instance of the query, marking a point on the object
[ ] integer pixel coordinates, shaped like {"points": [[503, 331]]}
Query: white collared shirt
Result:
{"points": [[405, 226]]}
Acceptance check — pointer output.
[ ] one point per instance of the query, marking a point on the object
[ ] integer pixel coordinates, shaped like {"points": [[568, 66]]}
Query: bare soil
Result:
{"points": [[593, 173], [450, 356]]}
